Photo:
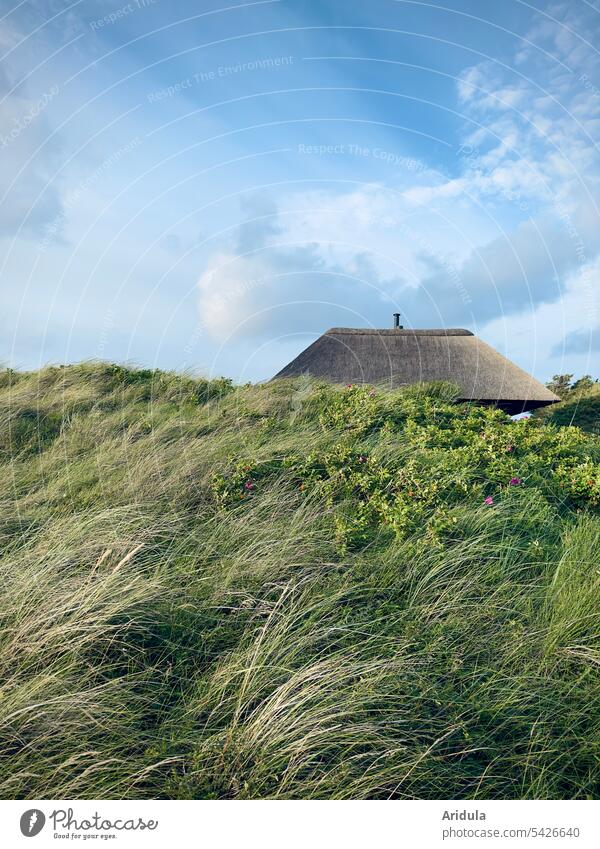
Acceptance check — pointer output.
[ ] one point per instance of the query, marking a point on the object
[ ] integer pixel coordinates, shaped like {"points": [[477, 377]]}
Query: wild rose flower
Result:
{"points": [[248, 485], [515, 481], [489, 500]]}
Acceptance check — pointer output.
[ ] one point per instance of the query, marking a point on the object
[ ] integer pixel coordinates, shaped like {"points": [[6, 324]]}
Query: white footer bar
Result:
{"points": [[282, 824]]}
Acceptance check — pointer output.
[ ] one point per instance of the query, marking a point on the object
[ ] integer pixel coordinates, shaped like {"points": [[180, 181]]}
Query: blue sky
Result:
{"points": [[209, 187]]}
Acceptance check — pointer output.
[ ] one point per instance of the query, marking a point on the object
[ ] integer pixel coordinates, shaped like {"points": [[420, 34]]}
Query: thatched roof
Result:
{"points": [[398, 357]]}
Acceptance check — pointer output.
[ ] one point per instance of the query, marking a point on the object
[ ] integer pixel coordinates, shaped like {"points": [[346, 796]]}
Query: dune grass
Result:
{"points": [[291, 591], [580, 408]]}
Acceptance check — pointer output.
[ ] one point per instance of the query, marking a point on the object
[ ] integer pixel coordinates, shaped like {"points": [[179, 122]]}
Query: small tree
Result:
{"points": [[583, 384], [561, 385]]}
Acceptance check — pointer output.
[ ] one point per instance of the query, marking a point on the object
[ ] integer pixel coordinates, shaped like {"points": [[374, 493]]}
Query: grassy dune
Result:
{"points": [[578, 407], [292, 591]]}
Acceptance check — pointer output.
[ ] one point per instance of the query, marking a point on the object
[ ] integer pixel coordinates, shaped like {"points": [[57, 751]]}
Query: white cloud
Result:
{"points": [[507, 244], [283, 289], [27, 158], [553, 338]]}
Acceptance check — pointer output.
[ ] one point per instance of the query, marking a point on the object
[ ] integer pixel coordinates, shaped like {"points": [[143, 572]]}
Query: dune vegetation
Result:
{"points": [[579, 403], [292, 590]]}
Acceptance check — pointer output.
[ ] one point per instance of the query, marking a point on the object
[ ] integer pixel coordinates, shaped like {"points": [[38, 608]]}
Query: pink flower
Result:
{"points": [[510, 447], [348, 386], [515, 481], [248, 485], [362, 459], [489, 500]]}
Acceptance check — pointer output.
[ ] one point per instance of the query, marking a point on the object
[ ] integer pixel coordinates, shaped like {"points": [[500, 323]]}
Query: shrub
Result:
{"points": [[449, 455]]}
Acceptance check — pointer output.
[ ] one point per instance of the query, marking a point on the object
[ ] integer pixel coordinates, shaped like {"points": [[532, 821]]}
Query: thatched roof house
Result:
{"points": [[398, 357]]}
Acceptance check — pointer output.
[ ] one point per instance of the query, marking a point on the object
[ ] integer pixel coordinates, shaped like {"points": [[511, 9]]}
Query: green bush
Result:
{"points": [[579, 405], [447, 455]]}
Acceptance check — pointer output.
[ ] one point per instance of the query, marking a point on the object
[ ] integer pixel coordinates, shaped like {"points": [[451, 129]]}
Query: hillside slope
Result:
{"points": [[292, 591], [579, 405]]}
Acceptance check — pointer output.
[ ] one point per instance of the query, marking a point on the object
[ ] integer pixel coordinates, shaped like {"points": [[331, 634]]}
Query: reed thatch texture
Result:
{"points": [[399, 357]]}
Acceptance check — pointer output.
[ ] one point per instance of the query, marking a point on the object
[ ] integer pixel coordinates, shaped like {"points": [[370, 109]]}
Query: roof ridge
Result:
{"points": [[404, 331]]}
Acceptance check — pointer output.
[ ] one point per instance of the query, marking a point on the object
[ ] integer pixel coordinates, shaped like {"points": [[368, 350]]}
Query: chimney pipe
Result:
{"points": [[397, 324]]}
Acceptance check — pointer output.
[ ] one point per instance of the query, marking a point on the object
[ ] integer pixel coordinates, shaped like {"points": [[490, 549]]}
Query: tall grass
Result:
{"points": [[154, 644]]}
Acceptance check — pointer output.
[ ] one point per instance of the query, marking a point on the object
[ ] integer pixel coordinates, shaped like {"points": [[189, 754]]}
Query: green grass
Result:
{"points": [[579, 405], [292, 591]]}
